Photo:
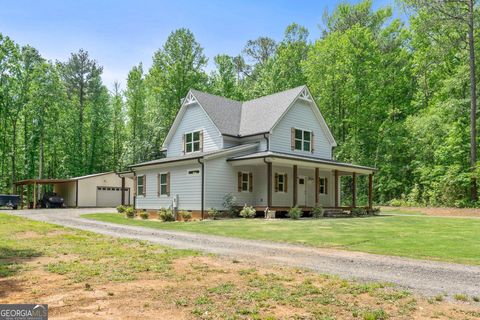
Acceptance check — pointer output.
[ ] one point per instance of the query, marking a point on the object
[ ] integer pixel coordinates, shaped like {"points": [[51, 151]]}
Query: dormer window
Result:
{"points": [[193, 141], [303, 140]]}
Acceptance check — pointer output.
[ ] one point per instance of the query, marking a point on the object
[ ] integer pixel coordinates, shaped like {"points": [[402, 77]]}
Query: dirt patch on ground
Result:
{"points": [[446, 212], [212, 288], [26, 235]]}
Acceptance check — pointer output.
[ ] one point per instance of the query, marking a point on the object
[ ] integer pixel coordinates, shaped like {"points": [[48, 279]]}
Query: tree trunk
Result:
{"points": [[473, 102], [40, 162], [14, 154], [81, 167]]}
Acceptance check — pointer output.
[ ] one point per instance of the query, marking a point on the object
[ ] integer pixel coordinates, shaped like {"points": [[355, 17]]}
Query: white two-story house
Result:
{"points": [[274, 151]]}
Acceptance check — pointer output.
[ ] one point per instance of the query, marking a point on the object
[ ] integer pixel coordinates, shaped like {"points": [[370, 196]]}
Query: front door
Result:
{"points": [[301, 191]]}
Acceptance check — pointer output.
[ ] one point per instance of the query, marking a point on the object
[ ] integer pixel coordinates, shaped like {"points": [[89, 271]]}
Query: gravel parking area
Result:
{"points": [[421, 276]]}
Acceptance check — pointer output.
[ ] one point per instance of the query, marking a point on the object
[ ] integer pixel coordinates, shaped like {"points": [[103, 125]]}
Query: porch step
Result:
{"points": [[336, 213]]}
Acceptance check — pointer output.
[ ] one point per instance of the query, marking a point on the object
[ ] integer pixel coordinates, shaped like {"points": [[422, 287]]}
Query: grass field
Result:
{"points": [[425, 237], [84, 275]]}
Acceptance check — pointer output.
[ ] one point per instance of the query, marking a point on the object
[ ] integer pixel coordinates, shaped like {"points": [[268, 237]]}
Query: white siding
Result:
{"points": [[195, 119], [221, 179], [300, 116], [328, 200], [260, 139], [187, 187], [283, 199], [67, 191]]}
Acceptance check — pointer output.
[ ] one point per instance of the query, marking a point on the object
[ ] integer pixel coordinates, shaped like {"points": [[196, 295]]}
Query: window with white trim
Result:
{"points": [[282, 179], [245, 181], [162, 184], [303, 140], [192, 141]]}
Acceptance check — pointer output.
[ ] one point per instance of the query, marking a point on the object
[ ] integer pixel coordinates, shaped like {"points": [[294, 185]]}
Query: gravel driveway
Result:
{"points": [[421, 276]]}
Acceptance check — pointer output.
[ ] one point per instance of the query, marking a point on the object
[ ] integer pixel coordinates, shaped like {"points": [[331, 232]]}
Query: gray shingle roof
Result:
{"points": [[225, 113], [246, 118]]}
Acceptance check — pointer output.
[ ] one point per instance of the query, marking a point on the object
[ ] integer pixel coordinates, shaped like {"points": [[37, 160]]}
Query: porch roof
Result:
{"points": [[331, 164], [196, 155]]}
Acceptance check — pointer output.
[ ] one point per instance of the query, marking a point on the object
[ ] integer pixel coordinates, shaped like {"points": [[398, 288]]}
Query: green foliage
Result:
{"points": [[317, 212], [359, 211], [144, 215], [395, 96], [177, 67], [130, 212], [248, 212], [379, 314], [213, 213], [166, 214], [230, 204], [136, 112], [295, 213], [121, 209], [461, 297], [186, 215]]}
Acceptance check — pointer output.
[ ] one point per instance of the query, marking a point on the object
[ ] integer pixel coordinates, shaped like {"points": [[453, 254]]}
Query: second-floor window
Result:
{"points": [[192, 141], [303, 140]]}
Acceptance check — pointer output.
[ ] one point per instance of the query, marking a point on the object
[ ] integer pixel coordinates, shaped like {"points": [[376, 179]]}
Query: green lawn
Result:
{"points": [[95, 274], [436, 238], [96, 257]]}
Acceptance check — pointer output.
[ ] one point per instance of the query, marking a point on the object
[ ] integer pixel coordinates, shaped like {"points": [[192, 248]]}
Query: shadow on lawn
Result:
{"points": [[12, 259]]}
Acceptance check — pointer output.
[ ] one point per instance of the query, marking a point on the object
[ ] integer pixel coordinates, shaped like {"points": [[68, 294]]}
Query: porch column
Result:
{"points": [[28, 196], [354, 190], [76, 193], [295, 184], [123, 191], [34, 195], [317, 186], [269, 185], [336, 188], [134, 191], [370, 190], [21, 196]]}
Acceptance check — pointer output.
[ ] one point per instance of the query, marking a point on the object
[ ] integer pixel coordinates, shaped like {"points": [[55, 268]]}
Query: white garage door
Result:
{"points": [[111, 196]]}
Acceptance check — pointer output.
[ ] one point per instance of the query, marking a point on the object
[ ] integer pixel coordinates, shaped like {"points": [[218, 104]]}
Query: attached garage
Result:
{"points": [[111, 196], [97, 190]]}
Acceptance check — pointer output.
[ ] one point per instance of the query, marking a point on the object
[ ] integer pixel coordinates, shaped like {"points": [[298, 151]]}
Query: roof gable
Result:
{"points": [[307, 97], [256, 116]]}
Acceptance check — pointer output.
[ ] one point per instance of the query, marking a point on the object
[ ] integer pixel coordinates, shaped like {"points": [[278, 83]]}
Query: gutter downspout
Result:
{"points": [[268, 141], [269, 184], [203, 186], [135, 187]]}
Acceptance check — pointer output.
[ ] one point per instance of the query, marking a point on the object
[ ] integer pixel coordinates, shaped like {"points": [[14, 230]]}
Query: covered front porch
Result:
{"points": [[284, 181]]}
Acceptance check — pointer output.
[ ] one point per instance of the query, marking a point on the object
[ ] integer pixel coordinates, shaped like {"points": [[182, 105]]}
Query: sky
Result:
{"points": [[120, 34]]}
